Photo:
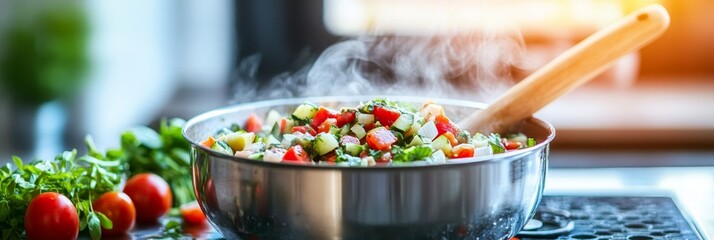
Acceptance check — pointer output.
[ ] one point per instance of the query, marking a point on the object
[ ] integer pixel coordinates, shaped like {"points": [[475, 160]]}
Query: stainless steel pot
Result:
{"points": [[490, 197]]}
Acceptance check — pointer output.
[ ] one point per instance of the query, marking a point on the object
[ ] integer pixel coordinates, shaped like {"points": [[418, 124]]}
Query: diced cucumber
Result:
{"points": [[270, 140], [305, 140], [518, 137], [324, 143], [438, 157], [364, 118], [345, 130], [274, 155], [238, 140], [353, 149], [416, 141], [416, 125], [222, 147], [255, 147], [428, 130], [404, 122], [335, 130], [483, 151], [359, 131], [256, 156], [275, 131], [272, 118], [288, 140], [305, 111], [479, 140], [464, 137], [442, 143]]}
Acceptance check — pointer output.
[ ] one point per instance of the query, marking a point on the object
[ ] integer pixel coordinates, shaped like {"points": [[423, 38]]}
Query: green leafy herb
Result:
{"points": [[80, 179], [531, 142], [165, 153], [413, 153], [495, 141], [171, 230], [344, 157]]}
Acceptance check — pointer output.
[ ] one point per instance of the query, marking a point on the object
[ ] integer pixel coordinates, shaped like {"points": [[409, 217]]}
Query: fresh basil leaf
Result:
{"points": [[413, 153], [104, 220], [94, 225], [495, 141]]}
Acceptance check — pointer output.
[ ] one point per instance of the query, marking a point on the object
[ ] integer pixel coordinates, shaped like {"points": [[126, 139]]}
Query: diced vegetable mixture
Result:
{"points": [[376, 132]]}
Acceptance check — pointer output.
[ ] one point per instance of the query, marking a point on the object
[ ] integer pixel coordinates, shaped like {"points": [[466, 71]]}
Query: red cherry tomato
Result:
{"points": [[304, 129], [119, 208], [330, 157], [321, 115], [51, 215], [326, 125], [443, 124], [296, 153], [380, 139], [463, 151], [345, 117], [385, 116], [151, 196], [192, 214], [253, 124]]}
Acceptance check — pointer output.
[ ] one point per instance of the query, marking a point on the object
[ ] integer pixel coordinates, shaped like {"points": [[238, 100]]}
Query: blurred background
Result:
{"points": [[70, 68]]}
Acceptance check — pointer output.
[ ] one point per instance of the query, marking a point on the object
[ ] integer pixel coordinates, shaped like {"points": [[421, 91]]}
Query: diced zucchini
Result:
{"points": [[479, 140], [324, 143], [428, 130], [416, 141], [222, 147], [353, 149], [404, 122], [364, 118], [238, 140], [359, 131], [305, 111], [272, 118], [442, 143]]}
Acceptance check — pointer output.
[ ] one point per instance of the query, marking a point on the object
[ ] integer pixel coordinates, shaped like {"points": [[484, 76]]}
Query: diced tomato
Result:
{"points": [[369, 127], [348, 139], [283, 125], [511, 145], [330, 157], [192, 214], [386, 157], [208, 142], [380, 139], [322, 115], [452, 138], [443, 124], [463, 151], [253, 124], [345, 117], [304, 129], [326, 125], [296, 153], [385, 116]]}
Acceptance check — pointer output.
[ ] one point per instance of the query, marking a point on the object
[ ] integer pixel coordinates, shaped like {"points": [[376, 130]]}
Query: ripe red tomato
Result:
{"points": [[511, 145], [119, 208], [296, 153], [463, 151], [345, 117], [51, 215], [192, 214], [386, 157], [151, 196], [385, 116], [380, 139], [321, 115], [253, 124], [443, 124], [326, 125], [304, 129]]}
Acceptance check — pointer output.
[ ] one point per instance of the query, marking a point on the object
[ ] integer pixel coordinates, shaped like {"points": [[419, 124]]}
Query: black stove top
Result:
{"points": [[587, 217]]}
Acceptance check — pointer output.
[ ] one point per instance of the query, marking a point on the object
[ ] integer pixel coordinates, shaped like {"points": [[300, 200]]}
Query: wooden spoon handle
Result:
{"points": [[570, 69]]}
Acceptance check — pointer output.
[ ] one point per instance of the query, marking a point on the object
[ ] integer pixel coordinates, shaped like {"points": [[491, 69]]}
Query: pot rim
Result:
{"points": [[291, 101]]}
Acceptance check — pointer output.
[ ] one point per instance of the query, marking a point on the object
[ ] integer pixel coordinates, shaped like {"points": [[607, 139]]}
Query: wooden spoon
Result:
{"points": [[570, 69]]}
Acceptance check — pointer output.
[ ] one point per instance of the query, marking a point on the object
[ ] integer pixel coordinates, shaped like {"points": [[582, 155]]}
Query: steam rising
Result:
{"points": [[474, 66]]}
